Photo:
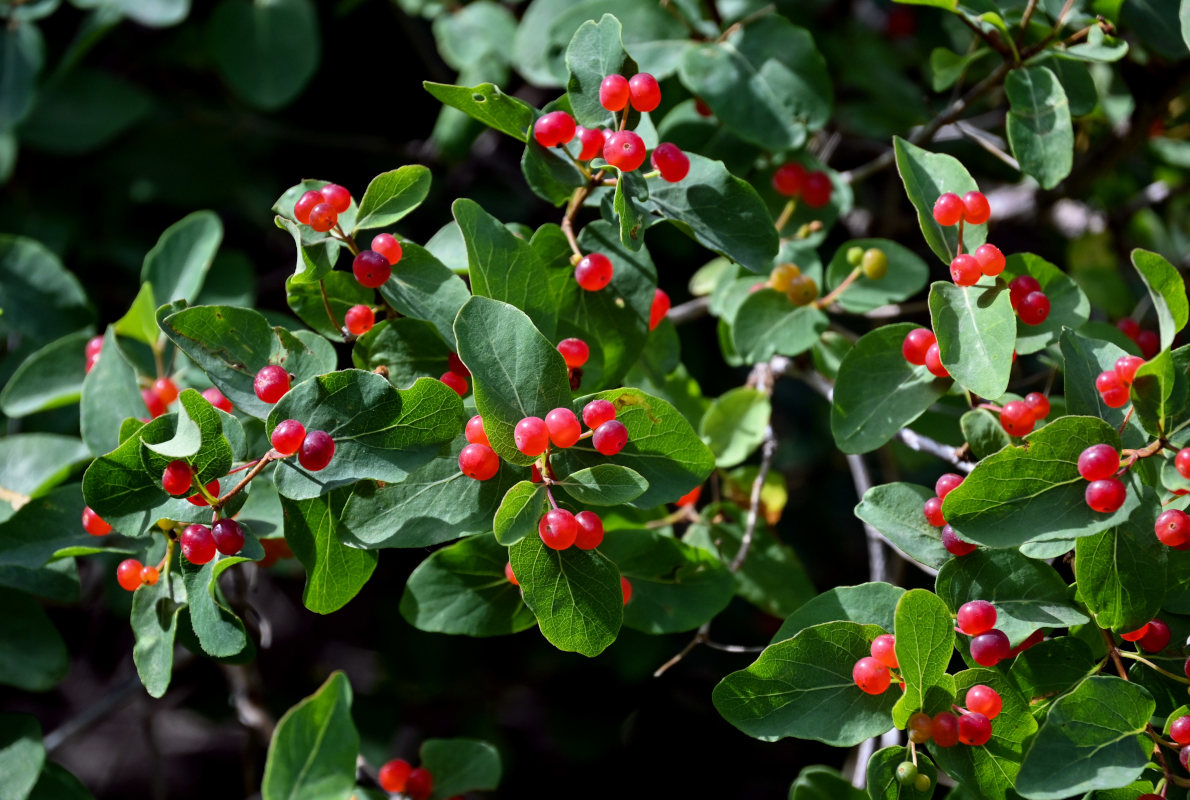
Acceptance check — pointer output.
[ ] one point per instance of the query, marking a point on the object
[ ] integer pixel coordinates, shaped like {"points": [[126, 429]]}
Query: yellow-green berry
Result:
{"points": [[906, 773], [874, 263], [922, 783], [855, 255]]}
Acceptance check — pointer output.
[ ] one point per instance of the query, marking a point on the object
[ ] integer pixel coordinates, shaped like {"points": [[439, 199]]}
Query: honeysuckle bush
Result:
{"points": [[688, 503]]}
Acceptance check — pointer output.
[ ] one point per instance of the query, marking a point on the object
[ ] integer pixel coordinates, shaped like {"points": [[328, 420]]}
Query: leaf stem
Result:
{"points": [[326, 303], [786, 214], [1151, 665], [239, 487], [838, 290], [345, 239]]}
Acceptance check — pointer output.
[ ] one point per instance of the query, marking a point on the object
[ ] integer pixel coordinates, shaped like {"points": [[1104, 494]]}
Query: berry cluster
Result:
{"points": [[872, 262], [1028, 301], [920, 348], [1114, 385], [314, 449], [131, 574], [873, 673], [1152, 637], [788, 278], [1148, 341], [399, 776], [933, 513], [321, 209], [1098, 464], [456, 374], [1018, 417], [157, 397], [372, 268], [792, 180], [970, 726], [200, 543]]}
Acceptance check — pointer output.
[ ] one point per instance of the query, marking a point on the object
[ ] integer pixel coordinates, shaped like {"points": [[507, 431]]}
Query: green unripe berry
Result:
{"points": [[855, 255], [874, 263], [907, 773], [922, 783]]}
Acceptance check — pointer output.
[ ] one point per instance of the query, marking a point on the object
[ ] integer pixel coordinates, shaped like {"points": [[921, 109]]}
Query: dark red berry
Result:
{"points": [[1098, 461], [271, 383], [1156, 638], [948, 209], [976, 208], [420, 784], [287, 436], [177, 478], [337, 196], [371, 269], [989, 649], [359, 320], [554, 128], [976, 617], [624, 150], [1034, 308], [1020, 286], [590, 530], [1106, 495], [671, 162], [198, 545], [593, 271], [817, 189], [610, 437], [228, 535], [643, 92], [1129, 327], [974, 729], [614, 92], [1149, 343], [479, 461], [916, 343], [316, 451], [789, 179], [945, 730], [558, 529], [455, 381]]}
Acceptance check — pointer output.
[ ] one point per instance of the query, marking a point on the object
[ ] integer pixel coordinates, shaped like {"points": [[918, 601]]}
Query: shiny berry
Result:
{"points": [[964, 270], [216, 398], [177, 478], [1126, 367], [1034, 308], [916, 343], [563, 426], [455, 381], [128, 574], [508, 573], [614, 92], [575, 352], [989, 649], [976, 209], [870, 675], [919, 727], [1021, 286], [991, 260], [906, 773], [948, 209], [337, 196], [1039, 403], [643, 92], [1173, 528], [149, 575], [984, 700], [954, 545], [789, 179], [153, 403], [817, 189], [671, 162], [371, 269], [883, 650], [393, 775], [166, 390], [590, 530], [1156, 638], [1112, 389], [94, 524], [323, 217], [198, 545], [593, 271], [1136, 635], [531, 435], [287, 436], [947, 483], [1017, 418], [475, 432], [359, 320], [1105, 495], [598, 411], [934, 362], [874, 264], [1098, 461], [590, 142], [1179, 729], [1181, 462], [479, 461], [802, 290], [624, 150], [554, 128], [316, 451], [945, 730], [271, 383], [976, 617], [558, 529], [301, 209], [933, 512], [228, 535], [387, 245], [659, 308], [974, 729], [610, 437]]}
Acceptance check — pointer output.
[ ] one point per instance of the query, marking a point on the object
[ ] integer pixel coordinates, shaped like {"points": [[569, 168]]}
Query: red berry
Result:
{"points": [[475, 432], [945, 730], [882, 650], [420, 784], [816, 191], [271, 383], [1126, 367], [590, 530], [789, 179], [671, 162], [287, 436], [954, 545], [149, 575], [90, 363], [989, 649], [1184, 758], [534, 473], [197, 499], [610, 437], [392, 776], [1156, 638], [614, 92], [359, 320], [1034, 308], [301, 209], [128, 574], [153, 403], [1017, 418], [316, 451], [558, 529], [1020, 286], [1181, 462], [531, 435], [1136, 635], [946, 484], [976, 209], [1112, 389], [1179, 729], [198, 545], [1098, 461], [659, 308], [1105, 495], [1129, 327], [690, 498], [948, 209], [177, 478], [870, 675], [597, 412], [563, 427], [624, 150], [1149, 343], [593, 272], [933, 512], [1039, 403], [991, 260], [590, 142], [984, 700], [1173, 528], [575, 352], [509, 575], [964, 270], [166, 390], [643, 92], [934, 362], [625, 589], [976, 617], [371, 269], [702, 108], [974, 729], [479, 461], [337, 196], [455, 381], [916, 343], [228, 535], [387, 245], [216, 398], [554, 128], [323, 217], [93, 523]]}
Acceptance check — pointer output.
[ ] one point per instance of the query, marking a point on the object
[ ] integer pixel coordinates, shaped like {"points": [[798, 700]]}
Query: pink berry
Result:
{"points": [[989, 649], [1106, 496], [1039, 403], [916, 343], [531, 435], [198, 545], [991, 260], [593, 272], [590, 530], [271, 383], [228, 536], [316, 451], [337, 196], [946, 484], [590, 141], [455, 381], [563, 426], [789, 179], [94, 524], [475, 432], [974, 729], [1156, 638], [1179, 729], [1034, 308], [1173, 528], [933, 512], [614, 92], [948, 209], [976, 617], [554, 128], [1126, 367], [1017, 418], [625, 151], [359, 320], [323, 217], [610, 437], [597, 412], [964, 270], [984, 700], [301, 209], [1098, 461], [659, 308], [216, 398], [817, 189], [575, 352], [479, 461], [558, 529], [976, 208], [883, 650], [671, 162], [387, 245], [1020, 286], [177, 478], [288, 436], [934, 362], [870, 676], [954, 545], [643, 92], [371, 269]]}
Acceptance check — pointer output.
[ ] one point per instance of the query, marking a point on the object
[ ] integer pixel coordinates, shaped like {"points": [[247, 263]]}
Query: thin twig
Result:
{"points": [[690, 310], [239, 487]]}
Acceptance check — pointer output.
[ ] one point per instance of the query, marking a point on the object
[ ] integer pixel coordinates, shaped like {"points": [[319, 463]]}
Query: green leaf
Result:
{"points": [[924, 632], [219, 630], [408, 349], [55, 783], [1027, 594], [1157, 25], [314, 258], [766, 82], [803, 687], [734, 424], [999, 503], [198, 424], [976, 329], [720, 211], [487, 104], [1039, 129], [878, 392], [1098, 47], [50, 378], [475, 35], [882, 775], [110, 395], [896, 510], [867, 604], [1052, 667], [604, 485], [22, 54], [178, 264], [43, 527], [550, 175], [314, 748], [422, 287], [41, 301], [334, 572], [946, 66], [33, 655], [83, 110], [154, 13], [140, 321], [155, 625], [767, 323], [461, 765], [342, 292], [1092, 738], [33, 463], [462, 589], [595, 52], [517, 372], [907, 274], [21, 755], [266, 52], [391, 195], [926, 176], [631, 193], [520, 512], [1106, 567], [675, 587], [1159, 392], [983, 432], [1069, 307], [823, 783], [1167, 291], [575, 594], [1083, 359]]}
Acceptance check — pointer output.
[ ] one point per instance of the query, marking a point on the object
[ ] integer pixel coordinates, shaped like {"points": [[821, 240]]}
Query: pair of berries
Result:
{"points": [[314, 449], [131, 575], [1152, 637], [398, 775], [321, 209], [641, 91], [907, 775], [920, 348], [933, 514], [972, 208], [793, 180], [967, 268], [1018, 417], [372, 268], [200, 543], [788, 278], [178, 478], [159, 396], [872, 673], [1148, 341], [1098, 464], [456, 374], [873, 262], [1114, 385], [559, 529], [1028, 301], [989, 646], [478, 460]]}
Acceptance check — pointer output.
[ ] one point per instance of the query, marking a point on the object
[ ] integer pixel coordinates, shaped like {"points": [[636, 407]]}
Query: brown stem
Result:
{"points": [[1114, 654], [239, 487], [326, 303], [838, 290], [345, 239]]}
